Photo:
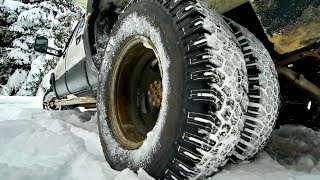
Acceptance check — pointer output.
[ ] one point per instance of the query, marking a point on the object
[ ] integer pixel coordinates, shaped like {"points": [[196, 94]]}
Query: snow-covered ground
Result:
{"points": [[38, 144]]}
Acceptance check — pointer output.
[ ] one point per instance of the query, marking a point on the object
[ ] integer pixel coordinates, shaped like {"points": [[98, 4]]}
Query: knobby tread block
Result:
{"points": [[264, 101]]}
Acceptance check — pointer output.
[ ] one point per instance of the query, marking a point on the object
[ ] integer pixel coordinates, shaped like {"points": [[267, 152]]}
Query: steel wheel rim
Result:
{"points": [[135, 100]]}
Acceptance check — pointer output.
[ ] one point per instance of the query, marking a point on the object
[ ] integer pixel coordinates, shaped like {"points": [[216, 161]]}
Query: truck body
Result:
{"points": [[286, 27]]}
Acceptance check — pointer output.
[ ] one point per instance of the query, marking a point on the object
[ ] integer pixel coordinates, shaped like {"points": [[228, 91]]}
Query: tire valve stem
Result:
{"points": [[155, 93]]}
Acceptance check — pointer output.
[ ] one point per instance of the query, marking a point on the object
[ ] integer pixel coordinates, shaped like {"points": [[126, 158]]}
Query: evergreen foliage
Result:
{"points": [[21, 68]]}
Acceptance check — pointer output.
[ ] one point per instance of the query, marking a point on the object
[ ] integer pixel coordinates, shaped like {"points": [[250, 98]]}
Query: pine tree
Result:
{"points": [[20, 22]]}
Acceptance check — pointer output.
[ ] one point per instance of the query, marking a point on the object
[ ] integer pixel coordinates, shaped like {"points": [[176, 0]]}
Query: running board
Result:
{"points": [[75, 101]]}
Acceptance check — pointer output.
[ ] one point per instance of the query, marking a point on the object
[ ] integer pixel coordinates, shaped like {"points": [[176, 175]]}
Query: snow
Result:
{"points": [[16, 80], [19, 56], [45, 84], [37, 66], [296, 147], [38, 144], [15, 5], [18, 44]]}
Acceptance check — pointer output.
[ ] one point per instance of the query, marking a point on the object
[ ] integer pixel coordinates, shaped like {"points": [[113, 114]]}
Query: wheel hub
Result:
{"points": [[135, 92], [155, 93]]}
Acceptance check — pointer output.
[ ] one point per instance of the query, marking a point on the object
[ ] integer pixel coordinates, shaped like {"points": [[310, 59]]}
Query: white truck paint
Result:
{"points": [[74, 51]]}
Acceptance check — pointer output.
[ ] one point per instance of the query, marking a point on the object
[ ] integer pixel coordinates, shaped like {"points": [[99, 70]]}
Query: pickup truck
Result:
{"points": [[183, 87]]}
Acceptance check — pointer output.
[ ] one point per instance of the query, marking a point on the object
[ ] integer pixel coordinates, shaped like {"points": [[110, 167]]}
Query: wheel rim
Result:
{"points": [[135, 92], [48, 102]]}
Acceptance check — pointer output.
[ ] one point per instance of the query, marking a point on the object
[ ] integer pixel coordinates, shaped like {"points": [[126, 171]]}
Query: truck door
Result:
{"points": [[72, 55], [75, 52], [61, 65]]}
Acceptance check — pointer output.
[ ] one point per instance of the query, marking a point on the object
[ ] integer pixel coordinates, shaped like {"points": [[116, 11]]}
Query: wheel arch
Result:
{"points": [[53, 84]]}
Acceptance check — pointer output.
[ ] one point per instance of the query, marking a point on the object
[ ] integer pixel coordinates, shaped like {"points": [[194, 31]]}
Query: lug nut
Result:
{"points": [[155, 93]]}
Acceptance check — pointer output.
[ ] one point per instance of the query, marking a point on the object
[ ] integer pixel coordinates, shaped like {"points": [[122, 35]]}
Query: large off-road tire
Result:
{"points": [[172, 92], [264, 95]]}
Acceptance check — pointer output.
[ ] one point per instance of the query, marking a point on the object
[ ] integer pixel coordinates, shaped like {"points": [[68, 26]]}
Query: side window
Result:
{"points": [[75, 31]]}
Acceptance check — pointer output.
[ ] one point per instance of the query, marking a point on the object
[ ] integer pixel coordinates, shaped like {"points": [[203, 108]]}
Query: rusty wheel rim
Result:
{"points": [[136, 92]]}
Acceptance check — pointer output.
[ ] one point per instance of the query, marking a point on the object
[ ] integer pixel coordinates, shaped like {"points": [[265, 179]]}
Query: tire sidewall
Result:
{"points": [[153, 159]]}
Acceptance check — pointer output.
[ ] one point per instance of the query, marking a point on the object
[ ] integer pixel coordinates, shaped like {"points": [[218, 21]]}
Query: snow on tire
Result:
{"points": [[264, 101], [49, 94], [48, 98], [202, 80]]}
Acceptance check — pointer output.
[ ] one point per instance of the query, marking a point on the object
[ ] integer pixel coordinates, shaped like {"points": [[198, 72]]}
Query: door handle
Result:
{"points": [[78, 39]]}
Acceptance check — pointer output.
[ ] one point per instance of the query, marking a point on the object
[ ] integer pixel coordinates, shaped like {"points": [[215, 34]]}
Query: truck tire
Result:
{"points": [[47, 98], [172, 92], [264, 93]]}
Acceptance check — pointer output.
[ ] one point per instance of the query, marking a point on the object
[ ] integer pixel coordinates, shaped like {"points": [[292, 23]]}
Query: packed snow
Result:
{"points": [[38, 144]]}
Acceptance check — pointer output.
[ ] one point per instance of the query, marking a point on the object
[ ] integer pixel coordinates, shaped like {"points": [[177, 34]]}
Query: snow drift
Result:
{"points": [[38, 144]]}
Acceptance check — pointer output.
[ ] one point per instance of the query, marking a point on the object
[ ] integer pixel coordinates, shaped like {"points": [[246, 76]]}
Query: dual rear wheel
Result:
{"points": [[182, 91]]}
